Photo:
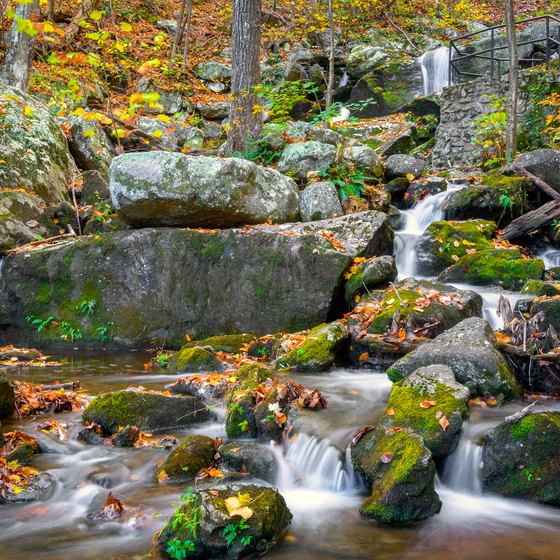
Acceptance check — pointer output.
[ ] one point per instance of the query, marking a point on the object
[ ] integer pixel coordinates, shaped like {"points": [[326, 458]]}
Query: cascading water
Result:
{"points": [[435, 69]]}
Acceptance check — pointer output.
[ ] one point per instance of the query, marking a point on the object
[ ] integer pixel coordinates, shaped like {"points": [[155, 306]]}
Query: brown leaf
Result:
{"points": [[387, 457], [361, 434], [444, 422], [390, 412], [427, 404]]}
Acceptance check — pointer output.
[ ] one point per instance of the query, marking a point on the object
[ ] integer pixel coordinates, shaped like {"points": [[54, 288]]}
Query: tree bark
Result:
{"points": [[533, 220], [330, 83], [17, 65], [245, 123], [511, 138], [178, 35]]}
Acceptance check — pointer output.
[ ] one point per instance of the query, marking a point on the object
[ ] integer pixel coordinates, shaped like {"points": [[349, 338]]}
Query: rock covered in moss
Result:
{"points": [[470, 350], [371, 274], [486, 201], [270, 517], [7, 396], [38, 160], [171, 189], [422, 400], [22, 219], [250, 457], [148, 411], [229, 343], [520, 459], [540, 288], [494, 267], [549, 309], [183, 463], [319, 201], [400, 470], [443, 242], [318, 351], [196, 359], [425, 302], [364, 59]]}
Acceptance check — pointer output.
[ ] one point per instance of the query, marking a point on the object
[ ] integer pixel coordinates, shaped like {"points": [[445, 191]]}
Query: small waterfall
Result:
{"points": [[461, 472], [435, 69], [321, 466], [344, 80]]}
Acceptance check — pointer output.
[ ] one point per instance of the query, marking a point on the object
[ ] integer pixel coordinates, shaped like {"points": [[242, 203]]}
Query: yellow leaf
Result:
{"points": [[164, 118], [410, 176], [97, 15], [27, 110], [157, 133], [235, 507]]}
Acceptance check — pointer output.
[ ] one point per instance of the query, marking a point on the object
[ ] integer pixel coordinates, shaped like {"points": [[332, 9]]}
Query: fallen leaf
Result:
{"points": [[444, 422], [427, 404], [387, 457], [390, 412]]}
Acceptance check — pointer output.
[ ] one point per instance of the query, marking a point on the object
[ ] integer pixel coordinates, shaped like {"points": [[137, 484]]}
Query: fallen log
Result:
{"points": [[544, 186], [533, 220]]}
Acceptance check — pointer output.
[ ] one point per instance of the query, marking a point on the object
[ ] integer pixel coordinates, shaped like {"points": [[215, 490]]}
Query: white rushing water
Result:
{"points": [[435, 69]]}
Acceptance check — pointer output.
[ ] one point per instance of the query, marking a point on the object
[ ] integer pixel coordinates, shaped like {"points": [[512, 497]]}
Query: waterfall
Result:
{"points": [[344, 80], [435, 69], [462, 469], [319, 465]]}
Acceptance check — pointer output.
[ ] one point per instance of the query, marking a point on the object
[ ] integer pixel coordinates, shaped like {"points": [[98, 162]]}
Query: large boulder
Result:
{"points": [[470, 350], [319, 201], [7, 396], [544, 163], [432, 404], [194, 359], [169, 189], [257, 459], [22, 220], [144, 409], [35, 155], [494, 267], [318, 351], [196, 452], [443, 243], [157, 284], [400, 470], [520, 458], [208, 538], [301, 158], [401, 165]]}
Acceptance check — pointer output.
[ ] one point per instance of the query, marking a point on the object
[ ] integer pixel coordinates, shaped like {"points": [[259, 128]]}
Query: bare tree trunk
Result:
{"points": [[178, 35], [330, 83], [245, 123], [187, 33], [511, 138], [17, 65]]}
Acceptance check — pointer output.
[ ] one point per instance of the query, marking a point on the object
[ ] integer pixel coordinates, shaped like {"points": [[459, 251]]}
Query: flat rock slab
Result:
{"points": [[155, 285]]}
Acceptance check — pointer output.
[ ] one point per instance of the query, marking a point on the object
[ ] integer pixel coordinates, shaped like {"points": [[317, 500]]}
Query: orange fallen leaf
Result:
{"points": [[387, 457], [444, 422], [390, 412], [427, 404]]}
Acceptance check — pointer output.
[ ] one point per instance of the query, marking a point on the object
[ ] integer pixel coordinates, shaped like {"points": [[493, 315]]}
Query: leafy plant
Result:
{"points": [[179, 549], [176, 548], [38, 322], [86, 308], [281, 99], [69, 332], [491, 133], [102, 334], [231, 532], [348, 181]]}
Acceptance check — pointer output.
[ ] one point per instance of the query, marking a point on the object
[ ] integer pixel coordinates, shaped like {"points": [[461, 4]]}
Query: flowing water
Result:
{"points": [[435, 70], [315, 477]]}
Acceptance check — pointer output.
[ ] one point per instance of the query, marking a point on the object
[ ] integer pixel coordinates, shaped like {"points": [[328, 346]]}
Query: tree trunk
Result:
{"points": [[533, 220], [511, 138], [245, 123], [17, 65], [330, 84], [178, 35]]}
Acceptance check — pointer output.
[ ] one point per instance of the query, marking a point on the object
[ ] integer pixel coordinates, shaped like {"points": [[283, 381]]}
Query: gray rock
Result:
{"points": [[364, 59], [159, 130], [260, 280], [371, 274], [22, 220], [544, 163], [94, 188], [33, 491], [423, 188], [167, 189], [470, 350], [147, 411], [317, 133], [212, 131], [39, 160], [169, 103], [319, 201], [214, 111], [90, 146], [7, 396], [365, 158], [213, 71], [255, 458], [401, 165], [301, 158]]}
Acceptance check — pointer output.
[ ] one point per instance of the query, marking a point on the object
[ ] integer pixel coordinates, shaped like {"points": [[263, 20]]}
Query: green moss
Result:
{"points": [[44, 294], [240, 418], [541, 288], [251, 375], [230, 343], [195, 359], [184, 462]]}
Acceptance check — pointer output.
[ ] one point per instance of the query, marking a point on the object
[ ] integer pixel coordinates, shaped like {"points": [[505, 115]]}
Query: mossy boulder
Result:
{"points": [[196, 359], [498, 198], [183, 463], [7, 396], [250, 457], [442, 242], [549, 308], [35, 155], [494, 267], [319, 349], [470, 350], [229, 343], [400, 470], [421, 400], [541, 288], [425, 302], [520, 458], [146, 410], [270, 517], [22, 219], [369, 275]]}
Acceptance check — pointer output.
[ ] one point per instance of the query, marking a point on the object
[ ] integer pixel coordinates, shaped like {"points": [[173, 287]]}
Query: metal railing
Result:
{"points": [[459, 59]]}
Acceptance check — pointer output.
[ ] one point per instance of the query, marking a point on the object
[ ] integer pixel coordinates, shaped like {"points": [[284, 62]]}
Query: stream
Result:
{"points": [[316, 478]]}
